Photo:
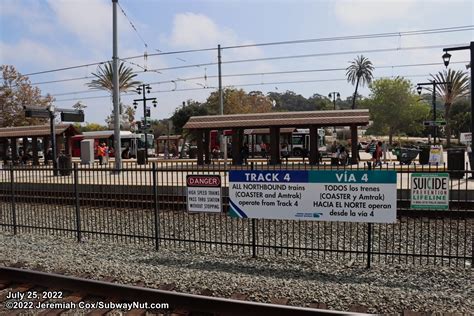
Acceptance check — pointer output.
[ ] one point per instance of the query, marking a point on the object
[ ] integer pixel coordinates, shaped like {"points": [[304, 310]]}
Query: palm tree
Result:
{"points": [[104, 78], [450, 93], [360, 71]]}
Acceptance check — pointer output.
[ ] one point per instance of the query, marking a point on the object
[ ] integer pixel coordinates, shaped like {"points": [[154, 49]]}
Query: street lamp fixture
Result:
{"points": [[446, 58], [418, 89], [335, 96], [146, 111]]}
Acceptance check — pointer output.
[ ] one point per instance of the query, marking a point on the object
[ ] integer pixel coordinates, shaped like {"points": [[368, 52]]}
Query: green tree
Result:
{"points": [[359, 72], [16, 91], [182, 114], [127, 118], [460, 117], [236, 101], [89, 127], [394, 108], [104, 78], [450, 93]]}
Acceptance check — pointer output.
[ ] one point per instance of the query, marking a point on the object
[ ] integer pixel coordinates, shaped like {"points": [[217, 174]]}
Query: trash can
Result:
{"points": [[64, 165], [424, 157], [141, 159], [456, 162], [407, 155]]}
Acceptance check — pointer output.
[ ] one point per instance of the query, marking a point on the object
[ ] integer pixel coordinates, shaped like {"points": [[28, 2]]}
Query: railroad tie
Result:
{"points": [[279, 301], [4, 284], [411, 313], [318, 305], [167, 286], [357, 308], [239, 296]]}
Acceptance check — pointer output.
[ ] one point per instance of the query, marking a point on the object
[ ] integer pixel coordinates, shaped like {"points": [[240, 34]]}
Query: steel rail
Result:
{"points": [[191, 302]]}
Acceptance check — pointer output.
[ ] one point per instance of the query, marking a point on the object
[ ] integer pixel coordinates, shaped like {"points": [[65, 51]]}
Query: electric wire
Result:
{"points": [[249, 84], [263, 74], [419, 32]]}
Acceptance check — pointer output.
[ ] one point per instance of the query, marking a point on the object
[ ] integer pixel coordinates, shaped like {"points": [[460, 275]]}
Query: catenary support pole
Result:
{"points": [[116, 92]]}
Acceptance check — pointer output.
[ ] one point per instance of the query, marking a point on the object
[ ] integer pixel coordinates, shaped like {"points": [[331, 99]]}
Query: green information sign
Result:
{"points": [[430, 191]]}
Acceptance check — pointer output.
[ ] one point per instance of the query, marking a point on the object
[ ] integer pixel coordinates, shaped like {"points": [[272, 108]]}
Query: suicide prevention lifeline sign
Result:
{"points": [[336, 195]]}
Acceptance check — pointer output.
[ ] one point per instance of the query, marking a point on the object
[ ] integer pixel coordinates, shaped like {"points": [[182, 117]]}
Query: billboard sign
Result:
{"points": [[329, 195]]}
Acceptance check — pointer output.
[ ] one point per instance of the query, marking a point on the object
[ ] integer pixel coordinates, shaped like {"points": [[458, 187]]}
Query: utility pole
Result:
{"points": [[221, 104], [145, 88], [116, 92]]}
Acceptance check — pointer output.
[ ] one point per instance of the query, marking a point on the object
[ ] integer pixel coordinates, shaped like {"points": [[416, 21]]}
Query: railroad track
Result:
{"points": [[55, 294]]}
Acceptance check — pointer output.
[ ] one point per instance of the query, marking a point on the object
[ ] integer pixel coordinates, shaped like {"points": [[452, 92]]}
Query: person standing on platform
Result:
{"points": [[263, 149]]}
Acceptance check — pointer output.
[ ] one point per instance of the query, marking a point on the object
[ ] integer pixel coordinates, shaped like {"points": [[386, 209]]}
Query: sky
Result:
{"points": [[42, 35]]}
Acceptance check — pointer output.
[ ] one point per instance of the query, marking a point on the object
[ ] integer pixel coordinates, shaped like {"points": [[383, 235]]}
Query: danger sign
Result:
{"points": [[204, 193]]}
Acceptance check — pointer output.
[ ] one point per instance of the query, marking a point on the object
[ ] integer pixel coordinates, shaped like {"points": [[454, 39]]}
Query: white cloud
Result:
{"points": [[362, 12], [31, 53], [89, 20], [197, 31]]}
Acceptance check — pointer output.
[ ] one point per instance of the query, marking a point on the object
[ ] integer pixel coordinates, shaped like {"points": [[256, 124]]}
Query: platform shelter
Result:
{"points": [[201, 126], [29, 137]]}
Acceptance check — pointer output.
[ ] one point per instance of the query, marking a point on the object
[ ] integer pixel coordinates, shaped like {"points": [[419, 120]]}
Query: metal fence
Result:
{"points": [[148, 205]]}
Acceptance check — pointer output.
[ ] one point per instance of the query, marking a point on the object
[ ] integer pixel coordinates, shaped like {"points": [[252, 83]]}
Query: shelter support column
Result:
{"points": [[354, 143], [14, 150], [313, 145], [207, 154], [34, 144], [274, 145], [236, 146], [5, 150], [67, 146], [200, 149], [59, 144]]}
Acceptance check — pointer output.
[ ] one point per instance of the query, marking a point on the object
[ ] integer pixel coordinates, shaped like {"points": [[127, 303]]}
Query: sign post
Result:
{"points": [[204, 193]]}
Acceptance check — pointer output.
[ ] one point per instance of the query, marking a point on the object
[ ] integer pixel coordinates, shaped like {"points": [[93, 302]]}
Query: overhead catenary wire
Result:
{"points": [[256, 73], [264, 74], [133, 26], [249, 84], [419, 32]]}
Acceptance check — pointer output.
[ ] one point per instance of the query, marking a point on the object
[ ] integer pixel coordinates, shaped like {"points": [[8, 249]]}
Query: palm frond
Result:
{"points": [[104, 78], [458, 87], [361, 68]]}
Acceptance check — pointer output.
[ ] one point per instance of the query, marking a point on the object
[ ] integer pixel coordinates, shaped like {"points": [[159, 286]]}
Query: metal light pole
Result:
{"points": [[433, 100], [52, 116], [116, 92], [446, 58], [334, 95], [145, 88]]}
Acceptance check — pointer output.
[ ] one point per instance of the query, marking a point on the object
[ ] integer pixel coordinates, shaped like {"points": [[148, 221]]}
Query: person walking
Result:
{"points": [[284, 152], [378, 154], [371, 149], [244, 153], [101, 153]]}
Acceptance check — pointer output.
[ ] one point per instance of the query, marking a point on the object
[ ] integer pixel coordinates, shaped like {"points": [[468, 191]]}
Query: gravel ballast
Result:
{"points": [[382, 289]]}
